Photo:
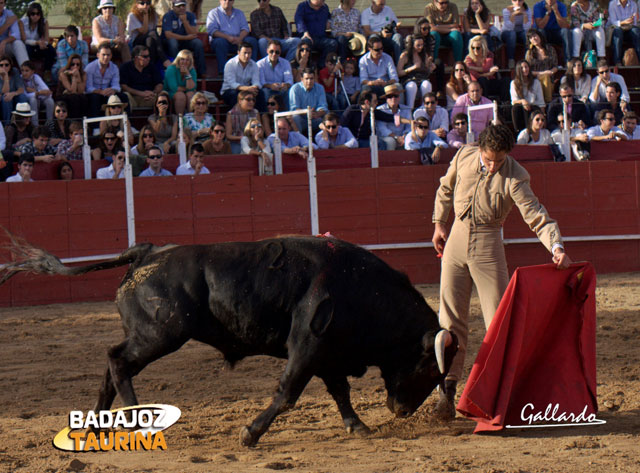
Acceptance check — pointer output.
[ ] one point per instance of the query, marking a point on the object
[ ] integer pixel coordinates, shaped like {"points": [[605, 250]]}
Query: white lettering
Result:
{"points": [[106, 419], [529, 415], [523, 416], [146, 422], [75, 420], [159, 423], [91, 420]]}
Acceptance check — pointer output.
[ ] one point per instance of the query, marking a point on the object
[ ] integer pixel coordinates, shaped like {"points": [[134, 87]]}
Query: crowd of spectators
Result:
{"points": [[342, 63]]}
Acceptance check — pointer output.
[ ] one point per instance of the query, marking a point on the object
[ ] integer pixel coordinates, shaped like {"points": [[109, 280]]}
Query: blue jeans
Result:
{"points": [[173, 47], [393, 46], [265, 94], [382, 146], [510, 38], [453, 39], [8, 107], [619, 35], [301, 122], [562, 37], [222, 48], [324, 46], [289, 47]]}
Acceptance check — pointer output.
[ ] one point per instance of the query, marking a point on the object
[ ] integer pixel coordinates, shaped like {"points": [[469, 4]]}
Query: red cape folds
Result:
{"points": [[540, 349]]}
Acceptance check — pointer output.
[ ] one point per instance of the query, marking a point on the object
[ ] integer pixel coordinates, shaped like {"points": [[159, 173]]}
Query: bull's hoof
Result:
{"points": [[246, 439], [445, 410], [358, 428]]}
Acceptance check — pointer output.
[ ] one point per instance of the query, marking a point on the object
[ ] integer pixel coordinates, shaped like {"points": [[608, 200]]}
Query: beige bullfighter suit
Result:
{"points": [[474, 252]]}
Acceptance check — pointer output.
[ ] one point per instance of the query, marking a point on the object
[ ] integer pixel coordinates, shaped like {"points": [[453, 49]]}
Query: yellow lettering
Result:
{"points": [[91, 442], [159, 442], [143, 441], [77, 437], [106, 441], [121, 441]]}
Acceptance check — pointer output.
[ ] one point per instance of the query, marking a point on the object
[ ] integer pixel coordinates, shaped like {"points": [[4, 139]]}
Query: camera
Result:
{"points": [[390, 28]]}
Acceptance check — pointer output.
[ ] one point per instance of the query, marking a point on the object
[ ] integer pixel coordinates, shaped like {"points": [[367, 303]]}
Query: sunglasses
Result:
{"points": [[155, 156], [200, 102], [422, 127], [143, 3], [603, 72], [476, 47], [218, 131], [609, 119], [147, 135], [459, 70], [377, 49], [144, 56], [163, 102], [256, 125], [331, 127], [430, 102], [34, 13], [274, 52], [249, 99], [304, 50], [4, 64], [74, 64], [393, 96], [565, 96], [460, 123], [272, 104], [109, 138]]}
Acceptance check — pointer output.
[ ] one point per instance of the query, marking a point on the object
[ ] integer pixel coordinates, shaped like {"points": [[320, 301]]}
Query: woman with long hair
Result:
{"points": [[115, 107], [254, 143], [142, 23], [516, 22], [59, 126], [526, 95], [457, 84], [217, 142], [543, 60], [480, 64], [584, 16], [414, 68], [578, 80], [146, 140], [302, 61], [535, 133], [274, 104], [34, 30], [65, 171], [107, 145], [198, 121], [72, 85], [237, 118], [108, 28], [476, 20], [180, 80], [163, 122]]}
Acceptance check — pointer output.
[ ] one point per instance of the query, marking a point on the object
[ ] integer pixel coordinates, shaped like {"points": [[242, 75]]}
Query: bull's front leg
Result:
{"points": [[339, 388]]}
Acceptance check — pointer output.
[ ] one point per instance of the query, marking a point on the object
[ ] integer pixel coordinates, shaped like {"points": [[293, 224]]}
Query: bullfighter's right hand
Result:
{"points": [[440, 236]]}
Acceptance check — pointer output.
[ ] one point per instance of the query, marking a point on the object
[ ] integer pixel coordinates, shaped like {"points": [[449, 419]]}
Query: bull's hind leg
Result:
{"points": [[339, 388], [107, 392]]}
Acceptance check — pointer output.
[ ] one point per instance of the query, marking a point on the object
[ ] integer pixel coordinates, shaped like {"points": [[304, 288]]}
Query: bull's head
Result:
{"points": [[408, 387]]}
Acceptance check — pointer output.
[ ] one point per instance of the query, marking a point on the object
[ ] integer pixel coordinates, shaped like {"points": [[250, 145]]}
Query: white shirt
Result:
{"points": [[187, 170], [377, 21], [108, 173], [440, 118], [17, 178]]}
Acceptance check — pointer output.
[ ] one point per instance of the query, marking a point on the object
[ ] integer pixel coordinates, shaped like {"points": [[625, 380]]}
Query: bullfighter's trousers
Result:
{"points": [[472, 255]]}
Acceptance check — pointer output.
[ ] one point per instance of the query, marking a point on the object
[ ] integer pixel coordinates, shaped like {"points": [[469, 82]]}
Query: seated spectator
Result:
{"points": [[39, 147], [600, 82], [328, 77], [34, 33], [72, 84], [180, 80], [350, 81], [444, 20], [424, 141], [579, 82], [180, 33], [623, 20], [301, 62], [59, 126], [606, 129], [344, 22], [36, 91], [551, 19], [115, 107], [457, 137], [578, 138], [274, 104], [228, 31], [237, 118], [10, 43], [437, 116], [480, 64], [103, 81], [476, 21], [612, 102], [575, 109], [291, 142], [195, 166], [15, 95], [526, 95], [240, 74], [142, 26], [379, 20], [332, 135], [307, 93], [311, 20], [394, 133], [585, 15], [139, 79], [275, 75], [154, 161], [108, 146], [108, 28], [543, 62], [377, 69], [217, 142], [25, 168], [198, 121], [458, 83], [480, 119], [535, 133], [516, 22], [65, 171], [630, 126], [164, 122], [267, 24], [115, 170], [19, 131], [146, 139], [254, 143], [414, 68], [358, 119], [67, 47], [72, 148]]}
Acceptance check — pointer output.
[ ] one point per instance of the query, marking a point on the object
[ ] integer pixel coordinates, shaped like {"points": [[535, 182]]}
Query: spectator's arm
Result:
{"points": [[301, 27]]}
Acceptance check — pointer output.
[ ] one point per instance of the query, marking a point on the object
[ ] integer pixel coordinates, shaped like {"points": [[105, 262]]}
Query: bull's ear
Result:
{"points": [[322, 317]]}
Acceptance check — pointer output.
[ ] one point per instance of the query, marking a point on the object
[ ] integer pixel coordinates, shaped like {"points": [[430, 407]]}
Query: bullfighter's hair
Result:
{"points": [[496, 138]]}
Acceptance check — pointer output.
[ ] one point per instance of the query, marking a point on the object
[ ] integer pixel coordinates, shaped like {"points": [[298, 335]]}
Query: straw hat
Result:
{"points": [[358, 44], [24, 110], [395, 88], [114, 101]]}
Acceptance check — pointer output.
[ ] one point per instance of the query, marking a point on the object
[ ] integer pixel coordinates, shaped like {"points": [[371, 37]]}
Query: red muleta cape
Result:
{"points": [[540, 349]]}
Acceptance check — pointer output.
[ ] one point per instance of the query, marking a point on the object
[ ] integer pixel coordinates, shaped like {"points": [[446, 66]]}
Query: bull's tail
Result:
{"points": [[31, 259]]}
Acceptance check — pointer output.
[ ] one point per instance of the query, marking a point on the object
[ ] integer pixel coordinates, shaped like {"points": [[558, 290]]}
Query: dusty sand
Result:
{"points": [[53, 358]]}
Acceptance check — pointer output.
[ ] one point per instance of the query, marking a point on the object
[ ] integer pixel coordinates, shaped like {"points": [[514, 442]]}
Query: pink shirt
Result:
{"points": [[480, 119]]}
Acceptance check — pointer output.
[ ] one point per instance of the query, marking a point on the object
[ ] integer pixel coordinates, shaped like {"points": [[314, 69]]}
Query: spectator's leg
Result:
{"points": [[396, 41], [301, 123], [616, 43], [18, 50], [171, 47], [635, 39], [285, 98], [263, 43], [567, 44], [196, 47], [455, 39], [325, 46], [331, 101], [33, 103], [261, 100], [509, 40], [425, 88], [49, 105], [343, 47], [577, 35], [230, 97], [179, 102], [222, 48], [600, 41], [289, 47], [235, 147], [389, 142], [436, 46], [7, 108], [410, 92]]}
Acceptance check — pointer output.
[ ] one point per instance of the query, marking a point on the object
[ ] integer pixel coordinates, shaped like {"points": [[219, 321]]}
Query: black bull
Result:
{"points": [[330, 307]]}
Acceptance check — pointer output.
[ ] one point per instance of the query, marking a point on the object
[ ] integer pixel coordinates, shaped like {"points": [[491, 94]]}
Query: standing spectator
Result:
{"points": [[437, 116], [606, 129], [254, 143], [154, 161], [71, 149], [476, 21], [457, 137], [344, 22], [526, 95], [312, 20], [39, 146], [108, 28], [217, 142], [579, 82], [103, 80], [393, 133], [380, 20], [535, 133], [425, 141], [142, 26], [623, 19], [585, 15], [115, 170], [516, 21], [543, 61], [59, 126], [69, 46], [195, 166], [600, 82], [36, 91], [180, 80], [164, 122], [576, 110], [228, 31], [377, 69], [140, 80], [72, 85], [301, 62], [34, 33], [240, 74], [10, 42], [458, 83], [414, 68], [268, 23], [444, 20], [308, 93], [198, 121], [238, 117], [481, 67], [25, 168], [480, 119], [551, 18], [630, 126], [275, 75], [108, 145], [332, 135], [11, 88], [180, 33]]}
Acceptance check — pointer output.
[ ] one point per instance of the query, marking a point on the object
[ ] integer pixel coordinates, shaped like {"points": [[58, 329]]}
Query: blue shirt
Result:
{"points": [[429, 141], [312, 21], [387, 128], [272, 75], [299, 97], [149, 173], [171, 22], [618, 13], [385, 69], [218, 20], [13, 30], [64, 52], [96, 81], [344, 137], [235, 75], [295, 139], [539, 11]]}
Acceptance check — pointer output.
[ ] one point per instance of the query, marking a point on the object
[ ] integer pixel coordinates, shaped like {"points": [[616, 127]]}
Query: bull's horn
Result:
{"points": [[443, 339]]}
